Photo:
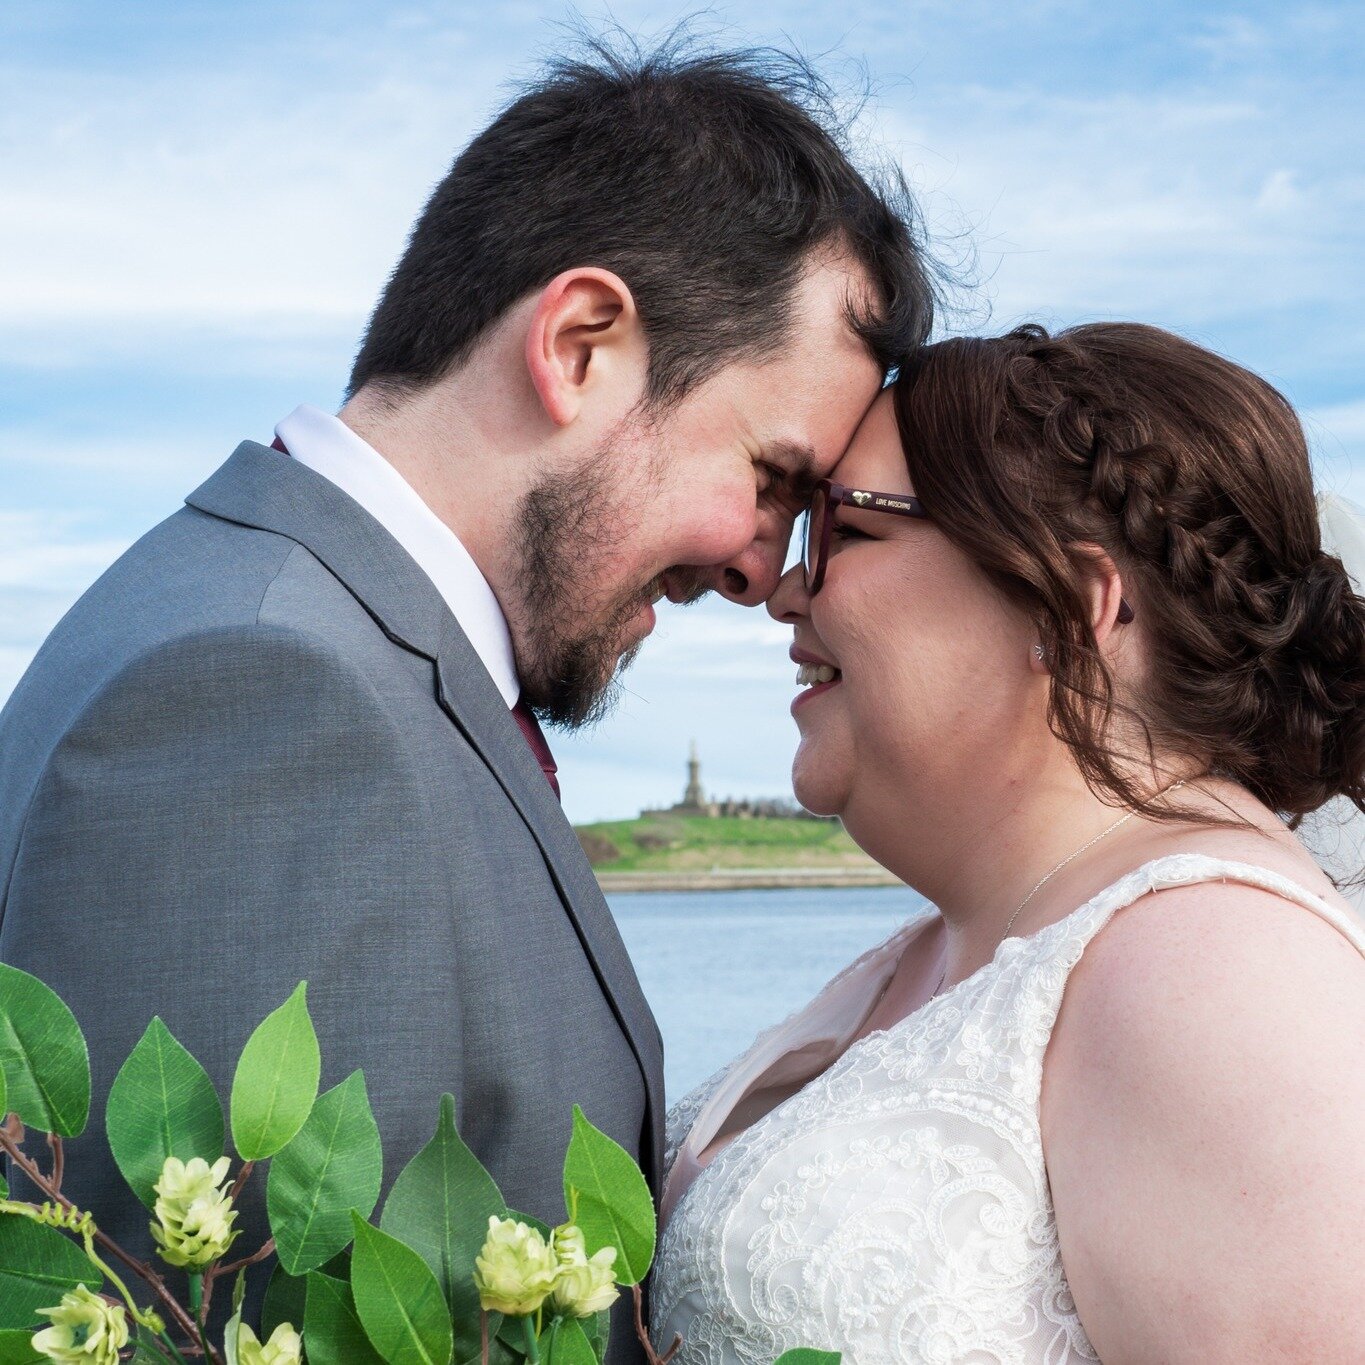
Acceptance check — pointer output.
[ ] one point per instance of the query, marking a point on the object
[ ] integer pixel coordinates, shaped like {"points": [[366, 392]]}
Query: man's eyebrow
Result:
{"points": [[802, 468]]}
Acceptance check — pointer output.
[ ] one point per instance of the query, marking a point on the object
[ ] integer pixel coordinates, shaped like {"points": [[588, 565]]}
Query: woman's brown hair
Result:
{"points": [[1193, 475]]}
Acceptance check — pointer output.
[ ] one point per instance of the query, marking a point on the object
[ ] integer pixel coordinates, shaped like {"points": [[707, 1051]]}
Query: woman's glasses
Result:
{"points": [[819, 528], [820, 521]]}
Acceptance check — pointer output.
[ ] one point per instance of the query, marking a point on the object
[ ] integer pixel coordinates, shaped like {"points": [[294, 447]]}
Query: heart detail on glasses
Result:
{"points": [[862, 499]]}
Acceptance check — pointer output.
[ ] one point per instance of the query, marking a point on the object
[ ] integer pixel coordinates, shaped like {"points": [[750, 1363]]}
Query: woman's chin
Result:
{"points": [[819, 788]]}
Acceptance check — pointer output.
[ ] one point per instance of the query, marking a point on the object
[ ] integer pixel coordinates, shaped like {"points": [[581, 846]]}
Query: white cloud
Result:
{"points": [[221, 198], [1336, 436], [1280, 193], [1342, 422], [167, 464], [45, 565], [1230, 37], [43, 554], [244, 214], [1171, 206]]}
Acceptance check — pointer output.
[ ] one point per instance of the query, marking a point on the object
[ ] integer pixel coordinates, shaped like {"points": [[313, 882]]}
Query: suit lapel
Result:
{"points": [[262, 488], [489, 727]]}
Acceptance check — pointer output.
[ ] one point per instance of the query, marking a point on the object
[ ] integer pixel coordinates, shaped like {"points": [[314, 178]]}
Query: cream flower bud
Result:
{"points": [[194, 1215], [285, 1347], [515, 1270], [584, 1285], [85, 1330], [570, 1248]]}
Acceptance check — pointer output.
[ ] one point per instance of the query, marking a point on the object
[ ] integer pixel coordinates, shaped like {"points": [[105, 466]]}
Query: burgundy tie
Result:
{"points": [[521, 713], [530, 727]]}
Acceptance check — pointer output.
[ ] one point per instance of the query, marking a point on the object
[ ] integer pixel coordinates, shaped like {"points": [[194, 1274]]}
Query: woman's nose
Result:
{"points": [[789, 600]]}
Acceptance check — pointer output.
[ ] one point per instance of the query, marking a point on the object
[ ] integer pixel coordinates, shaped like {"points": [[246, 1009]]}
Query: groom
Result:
{"points": [[292, 734]]}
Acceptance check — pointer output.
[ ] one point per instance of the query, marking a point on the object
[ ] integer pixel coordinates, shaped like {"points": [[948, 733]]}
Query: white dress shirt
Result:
{"points": [[329, 447]]}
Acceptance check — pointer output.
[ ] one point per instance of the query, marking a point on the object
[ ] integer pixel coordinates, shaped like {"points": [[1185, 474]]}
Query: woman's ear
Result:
{"points": [[585, 342], [1104, 588]]}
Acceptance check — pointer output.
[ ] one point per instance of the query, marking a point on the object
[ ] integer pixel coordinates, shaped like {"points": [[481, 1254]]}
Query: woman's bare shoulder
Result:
{"points": [[1203, 1108]]}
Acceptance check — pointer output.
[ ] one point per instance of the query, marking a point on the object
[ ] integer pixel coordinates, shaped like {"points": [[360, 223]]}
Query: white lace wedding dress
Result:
{"points": [[896, 1207]]}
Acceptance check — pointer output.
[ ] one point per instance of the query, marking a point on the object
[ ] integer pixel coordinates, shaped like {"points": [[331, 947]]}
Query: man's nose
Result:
{"points": [[752, 575]]}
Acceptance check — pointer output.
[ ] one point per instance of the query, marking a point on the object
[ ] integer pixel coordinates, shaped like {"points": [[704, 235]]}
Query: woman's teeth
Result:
{"points": [[808, 675]]}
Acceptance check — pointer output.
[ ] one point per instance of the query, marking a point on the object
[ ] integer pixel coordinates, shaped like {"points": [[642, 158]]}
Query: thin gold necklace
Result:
{"points": [[1047, 876]]}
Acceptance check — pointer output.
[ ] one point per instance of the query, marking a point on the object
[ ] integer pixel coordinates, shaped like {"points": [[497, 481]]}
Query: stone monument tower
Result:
{"points": [[694, 798]]}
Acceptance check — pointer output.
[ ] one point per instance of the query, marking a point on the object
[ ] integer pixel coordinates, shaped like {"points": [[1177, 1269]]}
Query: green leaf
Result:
{"points": [[283, 1302], [145, 1352], [613, 1204], [804, 1355], [16, 1348], [37, 1266], [440, 1206], [285, 1294], [4, 1095], [332, 1166], [499, 1353], [230, 1337], [161, 1104], [564, 1342], [43, 1055], [239, 1288], [598, 1329], [277, 1079], [331, 1329], [398, 1300]]}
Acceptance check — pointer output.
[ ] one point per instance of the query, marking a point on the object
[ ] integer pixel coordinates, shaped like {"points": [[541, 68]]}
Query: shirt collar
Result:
{"points": [[326, 445]]}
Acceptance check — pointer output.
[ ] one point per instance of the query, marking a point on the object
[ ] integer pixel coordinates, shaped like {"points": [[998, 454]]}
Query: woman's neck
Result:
{"points": [[978, 857]]}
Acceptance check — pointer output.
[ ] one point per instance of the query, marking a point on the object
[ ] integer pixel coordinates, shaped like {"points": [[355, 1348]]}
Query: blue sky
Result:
{"points": [[202, 199]]}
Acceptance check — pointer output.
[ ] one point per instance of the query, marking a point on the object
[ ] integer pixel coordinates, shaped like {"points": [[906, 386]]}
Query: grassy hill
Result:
{"points": [[672, 843]]}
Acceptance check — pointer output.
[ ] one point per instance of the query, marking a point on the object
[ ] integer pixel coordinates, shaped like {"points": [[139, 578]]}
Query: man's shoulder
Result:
{"points": [[195, 600], [189, 573]]}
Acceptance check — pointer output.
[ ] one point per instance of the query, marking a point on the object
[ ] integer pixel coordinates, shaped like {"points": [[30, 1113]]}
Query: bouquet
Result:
{"points": [[446, 1275]]}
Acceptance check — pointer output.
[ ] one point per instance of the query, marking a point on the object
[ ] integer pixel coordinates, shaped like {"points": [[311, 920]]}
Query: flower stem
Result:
{"points": [[152, 1321], [532, 1342], [196, 1280], [170, 1346]]}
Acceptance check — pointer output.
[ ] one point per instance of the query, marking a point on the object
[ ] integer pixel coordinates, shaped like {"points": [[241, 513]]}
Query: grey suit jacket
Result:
{"points": [[260, 750]]}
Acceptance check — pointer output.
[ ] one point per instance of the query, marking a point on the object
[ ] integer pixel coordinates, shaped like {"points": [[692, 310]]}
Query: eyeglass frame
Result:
{"points": [[840, 495], [866, 500]]}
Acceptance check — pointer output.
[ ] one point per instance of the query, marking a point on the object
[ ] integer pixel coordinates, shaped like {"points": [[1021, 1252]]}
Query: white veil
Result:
{"points": [[1336, 832]]}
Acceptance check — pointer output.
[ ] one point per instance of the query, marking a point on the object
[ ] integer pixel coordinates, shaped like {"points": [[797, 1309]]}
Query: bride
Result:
{"points": [[1073, 649]]}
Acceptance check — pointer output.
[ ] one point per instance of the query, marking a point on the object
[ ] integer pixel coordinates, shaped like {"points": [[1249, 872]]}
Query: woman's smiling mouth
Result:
{"points": [[814, 674]]}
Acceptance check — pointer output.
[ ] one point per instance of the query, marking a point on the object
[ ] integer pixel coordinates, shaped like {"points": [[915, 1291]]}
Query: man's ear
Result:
{"points": [[585, 335], [1104, 587]]}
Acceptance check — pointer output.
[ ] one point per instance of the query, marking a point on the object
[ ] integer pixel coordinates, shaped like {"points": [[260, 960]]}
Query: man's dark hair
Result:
{"points": [[704, 180]]}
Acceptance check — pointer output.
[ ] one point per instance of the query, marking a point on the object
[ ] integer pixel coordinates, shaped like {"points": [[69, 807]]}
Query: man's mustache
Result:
{"points": [[683, 584]]}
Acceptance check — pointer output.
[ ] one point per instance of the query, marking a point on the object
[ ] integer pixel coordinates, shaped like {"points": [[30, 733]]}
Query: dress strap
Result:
{"points": [[1188, 869]]}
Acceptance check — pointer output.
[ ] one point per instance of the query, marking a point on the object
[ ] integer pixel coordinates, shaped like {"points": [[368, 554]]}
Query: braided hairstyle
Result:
{"points": [[1193, 475]]}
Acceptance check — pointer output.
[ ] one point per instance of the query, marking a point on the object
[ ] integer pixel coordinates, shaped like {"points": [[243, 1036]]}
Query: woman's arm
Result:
{"points": [[1204, 1128]]}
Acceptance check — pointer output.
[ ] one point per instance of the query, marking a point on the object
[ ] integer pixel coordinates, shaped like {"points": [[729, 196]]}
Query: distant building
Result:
{"points": [[696, 803], [694, 799]]}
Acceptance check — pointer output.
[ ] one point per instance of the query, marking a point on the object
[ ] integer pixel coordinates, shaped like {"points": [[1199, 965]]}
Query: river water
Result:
{"points": [[720, 966]]}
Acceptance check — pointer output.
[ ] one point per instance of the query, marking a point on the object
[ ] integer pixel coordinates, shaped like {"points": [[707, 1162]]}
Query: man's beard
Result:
{"points": [[569, 656]]}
